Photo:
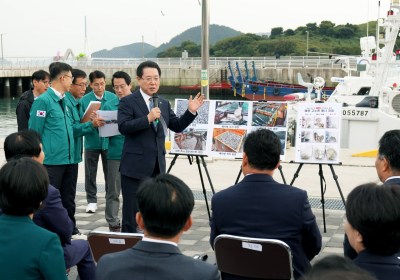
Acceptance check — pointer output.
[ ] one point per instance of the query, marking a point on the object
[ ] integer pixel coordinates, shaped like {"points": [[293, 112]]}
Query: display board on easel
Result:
{"points": [[221, 127]]}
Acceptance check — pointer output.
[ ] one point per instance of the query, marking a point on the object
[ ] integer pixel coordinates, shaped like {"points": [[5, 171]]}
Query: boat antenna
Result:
{"points": [[377, 30], [368, 28]]}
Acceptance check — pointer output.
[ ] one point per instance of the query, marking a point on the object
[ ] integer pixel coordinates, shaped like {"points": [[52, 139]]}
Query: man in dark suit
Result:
{"points": [[165, 205], [259, 207], [373, 228], [387, 165], [53, 216], [145, 128]]}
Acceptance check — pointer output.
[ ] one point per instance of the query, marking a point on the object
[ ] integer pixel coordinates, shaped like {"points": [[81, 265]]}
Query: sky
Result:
{"points": [[42, 28]]}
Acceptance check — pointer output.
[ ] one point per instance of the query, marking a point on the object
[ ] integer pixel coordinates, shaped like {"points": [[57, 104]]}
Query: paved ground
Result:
{"points": [[196, 240]]}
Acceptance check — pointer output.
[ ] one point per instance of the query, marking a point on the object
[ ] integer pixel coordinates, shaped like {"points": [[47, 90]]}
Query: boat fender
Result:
{"points": [[237, 85], [276, 91], [254, 88], [296, 91]]}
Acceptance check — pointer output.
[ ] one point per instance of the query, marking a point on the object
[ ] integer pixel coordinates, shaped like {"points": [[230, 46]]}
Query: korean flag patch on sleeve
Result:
{"points": [[41, 114]]}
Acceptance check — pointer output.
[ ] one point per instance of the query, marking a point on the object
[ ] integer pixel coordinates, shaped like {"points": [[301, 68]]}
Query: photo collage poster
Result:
{"points": [[318, 133], [225, 125]]}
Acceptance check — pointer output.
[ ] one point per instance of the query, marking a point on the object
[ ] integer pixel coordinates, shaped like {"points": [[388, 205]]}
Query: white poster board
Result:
{"points": [[224, 125], [318, 133]]}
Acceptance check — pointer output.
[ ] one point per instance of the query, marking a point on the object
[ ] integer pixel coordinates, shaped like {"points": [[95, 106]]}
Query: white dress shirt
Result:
{"points": [[393, 177], [146, 239], [61, 96], [146, 98], [98, 98]]}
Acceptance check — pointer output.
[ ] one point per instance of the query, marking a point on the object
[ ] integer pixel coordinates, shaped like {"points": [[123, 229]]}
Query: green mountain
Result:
{"points": [[134, 50], [217, 33]]}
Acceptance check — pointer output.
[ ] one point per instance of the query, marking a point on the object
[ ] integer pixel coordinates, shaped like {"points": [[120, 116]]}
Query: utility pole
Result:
{"points": [[307, 43], [205, 47], [2, 57], [143, 46]]}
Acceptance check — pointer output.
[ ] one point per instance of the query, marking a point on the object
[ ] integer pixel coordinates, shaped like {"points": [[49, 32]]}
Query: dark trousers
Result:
{"points": [[61, 177], [79, 254], [75, 169], [91, 164], [129, 187]]}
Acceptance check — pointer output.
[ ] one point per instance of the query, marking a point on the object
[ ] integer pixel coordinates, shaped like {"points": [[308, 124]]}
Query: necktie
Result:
{"points": [[151, 107]]}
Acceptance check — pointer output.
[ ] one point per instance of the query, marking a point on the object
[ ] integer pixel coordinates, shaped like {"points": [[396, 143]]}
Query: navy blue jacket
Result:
{"points": [[381, 267], [348, 250], [259, 207], [54, 217], [143, 144]]}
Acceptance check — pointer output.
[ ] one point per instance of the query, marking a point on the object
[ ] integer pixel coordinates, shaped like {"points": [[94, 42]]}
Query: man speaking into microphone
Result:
{"points": [[144, 119]]}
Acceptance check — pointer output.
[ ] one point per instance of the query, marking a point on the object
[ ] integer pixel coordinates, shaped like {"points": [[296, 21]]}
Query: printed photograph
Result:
{"points": [[231, 113], [228, 140], [203, 111], [191, 139], [269, 114]]}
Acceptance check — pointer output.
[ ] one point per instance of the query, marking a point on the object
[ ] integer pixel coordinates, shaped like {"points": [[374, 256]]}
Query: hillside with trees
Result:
{"points": [[326, 37]]}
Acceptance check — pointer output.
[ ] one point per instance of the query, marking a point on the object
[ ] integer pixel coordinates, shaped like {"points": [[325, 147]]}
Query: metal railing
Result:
{"points": [[316, 62]]}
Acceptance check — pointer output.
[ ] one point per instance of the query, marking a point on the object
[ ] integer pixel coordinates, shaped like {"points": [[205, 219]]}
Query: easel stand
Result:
{"points": [[200, 173], [280, 170], [322, 181]]}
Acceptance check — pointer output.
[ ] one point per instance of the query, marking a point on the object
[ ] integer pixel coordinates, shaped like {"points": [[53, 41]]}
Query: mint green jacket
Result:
{"points": [[92, 140], [115, 143], [54, 124], [80, 129], [28, 251]]}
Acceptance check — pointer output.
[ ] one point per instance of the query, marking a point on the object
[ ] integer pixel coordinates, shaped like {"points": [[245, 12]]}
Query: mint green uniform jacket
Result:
{"points": [[48, 118], [80, 129], [115, 143], [29, 252], [92, 140]]}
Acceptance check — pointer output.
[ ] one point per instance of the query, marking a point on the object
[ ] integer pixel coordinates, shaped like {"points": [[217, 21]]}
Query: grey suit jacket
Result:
{"points": [[148, 260]]}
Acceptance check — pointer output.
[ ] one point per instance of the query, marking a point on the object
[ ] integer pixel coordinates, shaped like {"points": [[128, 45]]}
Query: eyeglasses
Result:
{"points": [[149, 80], [45, 82], [72, 78], [122, 87], [99, 85], [82, 86]]}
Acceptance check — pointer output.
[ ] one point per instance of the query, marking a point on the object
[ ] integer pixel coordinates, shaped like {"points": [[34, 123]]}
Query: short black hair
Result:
{"points": [[263, 149], [78, 73], [40, 75], [374, 211], [21, 195], [56, 69], [334, 267], [151, 64], [165, 203], [389, 148], [121, 74], [96, 75], [25, 143]]}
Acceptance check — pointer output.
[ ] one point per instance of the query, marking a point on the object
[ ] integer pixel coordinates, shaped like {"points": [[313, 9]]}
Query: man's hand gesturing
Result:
{"points": [[155, 113], [98, 122], [195, 103]]}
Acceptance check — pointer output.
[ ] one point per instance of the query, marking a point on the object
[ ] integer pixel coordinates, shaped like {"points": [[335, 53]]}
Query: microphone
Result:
{"points": [[155, 102]]}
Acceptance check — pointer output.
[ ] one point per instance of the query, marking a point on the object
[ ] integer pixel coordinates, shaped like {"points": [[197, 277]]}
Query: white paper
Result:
{"points": [[318, 133], [117, 241], [252, 246], [111, 127]]}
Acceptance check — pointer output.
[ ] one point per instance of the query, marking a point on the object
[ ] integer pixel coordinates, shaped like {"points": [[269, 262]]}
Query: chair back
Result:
{"points": [[105, 242], [253, 257]]}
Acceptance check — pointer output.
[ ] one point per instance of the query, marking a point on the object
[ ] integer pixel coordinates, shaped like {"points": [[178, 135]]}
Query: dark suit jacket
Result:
{"points": [[153, 261], [259, 207], [382, 267], [348, 250], [143, 144], [23, 109]]}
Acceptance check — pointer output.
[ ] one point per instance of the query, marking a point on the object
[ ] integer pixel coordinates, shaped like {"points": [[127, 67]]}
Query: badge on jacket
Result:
{"points": [[41, 114]]}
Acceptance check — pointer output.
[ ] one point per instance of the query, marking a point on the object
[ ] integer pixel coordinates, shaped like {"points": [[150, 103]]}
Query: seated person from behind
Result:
{"points": [[259, 207], [387, 165], [27, 251], [373, 228], [335, 267], [165, 204], [53, 216]]}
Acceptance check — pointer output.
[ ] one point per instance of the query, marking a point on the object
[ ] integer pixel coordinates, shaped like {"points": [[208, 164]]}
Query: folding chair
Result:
{"points": [[253, 257], [105, 242]]}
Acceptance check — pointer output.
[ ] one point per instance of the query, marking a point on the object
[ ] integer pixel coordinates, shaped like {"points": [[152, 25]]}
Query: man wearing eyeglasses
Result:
{"points": [[94, 144], [145, 127], [51, 117], [41, 82], [76, 92]]}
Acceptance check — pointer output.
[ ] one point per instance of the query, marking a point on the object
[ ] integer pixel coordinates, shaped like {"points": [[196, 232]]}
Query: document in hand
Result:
{"points": [[93, 106], [111, 126]]}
